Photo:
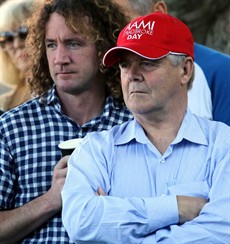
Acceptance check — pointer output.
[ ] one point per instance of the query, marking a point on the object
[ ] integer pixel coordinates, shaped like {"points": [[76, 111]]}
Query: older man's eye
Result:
{"points": [[147, 63], [123, 65]]}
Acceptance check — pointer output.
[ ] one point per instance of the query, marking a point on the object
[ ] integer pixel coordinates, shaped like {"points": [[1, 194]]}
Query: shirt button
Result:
{"points": [[163, 161]]}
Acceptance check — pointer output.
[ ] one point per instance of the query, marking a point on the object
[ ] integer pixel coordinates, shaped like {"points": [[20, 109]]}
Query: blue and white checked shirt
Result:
{"points": [[29, 138], [142, 185]]}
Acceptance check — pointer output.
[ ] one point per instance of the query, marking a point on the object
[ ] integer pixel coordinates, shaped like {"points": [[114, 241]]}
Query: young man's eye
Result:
{"points": [[73, 44], [51, 45]]}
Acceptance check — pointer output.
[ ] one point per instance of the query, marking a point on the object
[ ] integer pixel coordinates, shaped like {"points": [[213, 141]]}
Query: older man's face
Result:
{"points": [[150, 85]]}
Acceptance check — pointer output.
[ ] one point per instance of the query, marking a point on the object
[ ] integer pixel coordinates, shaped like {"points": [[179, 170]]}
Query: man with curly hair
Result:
{"points": [[74, 95]]}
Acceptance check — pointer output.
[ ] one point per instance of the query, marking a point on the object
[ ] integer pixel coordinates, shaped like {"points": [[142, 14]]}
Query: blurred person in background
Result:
{"points": [[74, 95], [209, 96], [13, 56], [209, 21]]}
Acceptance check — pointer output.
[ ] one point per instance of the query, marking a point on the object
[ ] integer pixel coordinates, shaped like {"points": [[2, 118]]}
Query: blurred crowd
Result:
{"points": [[13, 56]]}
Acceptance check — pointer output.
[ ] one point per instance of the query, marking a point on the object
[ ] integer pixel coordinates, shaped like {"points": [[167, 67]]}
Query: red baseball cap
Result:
{"points": [[152, 36]]}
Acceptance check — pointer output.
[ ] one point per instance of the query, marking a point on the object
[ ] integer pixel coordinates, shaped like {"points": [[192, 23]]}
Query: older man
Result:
{"points": [[164, 176]]}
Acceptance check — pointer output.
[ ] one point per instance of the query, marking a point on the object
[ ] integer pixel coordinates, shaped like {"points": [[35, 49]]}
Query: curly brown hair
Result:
{"points": [[106, 21]]}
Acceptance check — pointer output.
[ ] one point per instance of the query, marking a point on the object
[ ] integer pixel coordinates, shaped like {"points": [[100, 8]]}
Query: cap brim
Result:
{"points": [[113, 55]]}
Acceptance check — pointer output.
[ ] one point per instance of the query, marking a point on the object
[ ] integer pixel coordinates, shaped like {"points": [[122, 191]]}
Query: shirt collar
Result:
{"points": [[190, 130], [129, 131], [51, 98], [110, 105]]}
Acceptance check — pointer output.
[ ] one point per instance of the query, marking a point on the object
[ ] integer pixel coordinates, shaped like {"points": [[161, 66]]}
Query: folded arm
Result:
{"points": [[88, 209]]}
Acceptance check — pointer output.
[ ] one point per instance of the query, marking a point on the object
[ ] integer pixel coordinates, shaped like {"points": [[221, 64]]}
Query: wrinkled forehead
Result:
{"points": [[65, 27], [80, 24]]}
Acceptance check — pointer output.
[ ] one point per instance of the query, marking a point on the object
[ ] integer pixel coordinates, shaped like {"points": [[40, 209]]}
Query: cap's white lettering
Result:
{"points": [[136, 30], [138, 36], [142, 25]]}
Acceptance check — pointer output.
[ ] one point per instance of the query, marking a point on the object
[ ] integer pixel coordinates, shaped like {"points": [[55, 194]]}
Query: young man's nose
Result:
{"points": [[61, 55]]}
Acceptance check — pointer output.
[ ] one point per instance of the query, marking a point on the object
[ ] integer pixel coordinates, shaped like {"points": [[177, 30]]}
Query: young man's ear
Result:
{"points": [[159, 6]]}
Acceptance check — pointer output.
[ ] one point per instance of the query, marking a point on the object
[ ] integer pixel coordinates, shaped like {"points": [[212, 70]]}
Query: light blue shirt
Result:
{"points": [[142, 185]]}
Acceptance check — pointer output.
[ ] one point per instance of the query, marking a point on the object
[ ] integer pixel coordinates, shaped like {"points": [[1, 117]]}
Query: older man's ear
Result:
{"points": [[159, 6]]}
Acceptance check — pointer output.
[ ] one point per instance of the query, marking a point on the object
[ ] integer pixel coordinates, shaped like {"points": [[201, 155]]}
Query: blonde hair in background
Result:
{"points": [[13, 14]]}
